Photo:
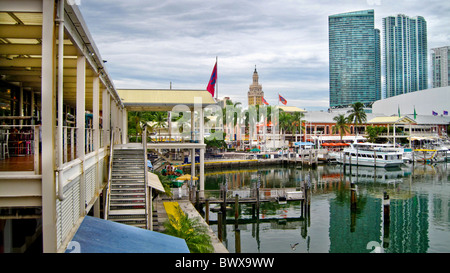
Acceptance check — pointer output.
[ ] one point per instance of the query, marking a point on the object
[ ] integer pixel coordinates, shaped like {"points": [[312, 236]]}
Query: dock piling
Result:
{"points": [[353, 198], [237, 240], [219, 225], [236, 211], [386, 219], [207, 211]]}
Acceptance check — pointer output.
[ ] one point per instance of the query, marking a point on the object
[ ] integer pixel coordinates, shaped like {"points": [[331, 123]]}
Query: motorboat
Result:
{"points": [[372, 155]]}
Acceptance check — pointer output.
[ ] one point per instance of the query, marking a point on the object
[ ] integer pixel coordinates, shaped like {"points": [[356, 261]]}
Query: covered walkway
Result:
{"points": [[191, 103]]}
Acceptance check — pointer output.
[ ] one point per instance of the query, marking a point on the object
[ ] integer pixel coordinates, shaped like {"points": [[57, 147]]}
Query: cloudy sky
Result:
{"points": [[149, 43]]}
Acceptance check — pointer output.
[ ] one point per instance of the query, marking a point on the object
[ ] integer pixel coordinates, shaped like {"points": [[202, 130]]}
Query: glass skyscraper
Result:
{"points": [[405, 54], [355, 67], [440, 64]]}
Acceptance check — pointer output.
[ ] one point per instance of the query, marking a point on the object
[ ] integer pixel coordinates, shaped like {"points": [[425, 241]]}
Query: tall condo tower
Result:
{"points": [[255, 93], [405, 54], [354, 52], [440, 60]]}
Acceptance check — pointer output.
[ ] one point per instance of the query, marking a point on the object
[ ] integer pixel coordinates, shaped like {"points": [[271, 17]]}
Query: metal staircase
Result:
{"points": [[127, 193]]}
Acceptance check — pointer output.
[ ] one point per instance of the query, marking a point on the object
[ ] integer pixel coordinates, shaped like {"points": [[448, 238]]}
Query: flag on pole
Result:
{"points": [[212, 81], [283, 101], [264, 101], [398, 110], [434, 113], [445, 113], [415, 114]]}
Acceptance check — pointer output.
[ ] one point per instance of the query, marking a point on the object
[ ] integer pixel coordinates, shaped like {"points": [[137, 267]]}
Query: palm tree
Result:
{"points": [[357, 115], [191, 230], [341, 125], [160, 122], [285, 120], [297, 122]]}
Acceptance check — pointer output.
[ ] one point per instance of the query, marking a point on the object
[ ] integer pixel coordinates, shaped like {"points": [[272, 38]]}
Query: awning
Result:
{"points": [[303, 143], [96, 235], [154, 182], [333, 144]]}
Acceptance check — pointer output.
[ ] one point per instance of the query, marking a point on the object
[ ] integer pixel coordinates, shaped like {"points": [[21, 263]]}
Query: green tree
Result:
{"points": [[341, 126], [357, 116], [191, 230], [160, 122]]}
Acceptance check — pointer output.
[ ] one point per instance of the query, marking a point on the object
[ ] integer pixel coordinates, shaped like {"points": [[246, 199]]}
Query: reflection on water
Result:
{"points": [[417, 219]]}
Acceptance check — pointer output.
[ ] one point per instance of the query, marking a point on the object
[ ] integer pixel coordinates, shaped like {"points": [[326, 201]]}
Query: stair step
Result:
{"points": [[127, 199], [127, 212]]}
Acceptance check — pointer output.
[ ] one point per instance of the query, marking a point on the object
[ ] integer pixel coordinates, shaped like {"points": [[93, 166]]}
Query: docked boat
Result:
{"points": [[372, 155], [431, 155]]}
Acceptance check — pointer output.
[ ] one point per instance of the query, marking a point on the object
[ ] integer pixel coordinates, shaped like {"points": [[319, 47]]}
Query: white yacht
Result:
{"points": [[371, 154]]}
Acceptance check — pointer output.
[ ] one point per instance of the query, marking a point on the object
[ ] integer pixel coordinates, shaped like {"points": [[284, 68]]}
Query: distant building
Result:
{"points": [[405, 54], [354, 52], [440, 60], [255, 93]]}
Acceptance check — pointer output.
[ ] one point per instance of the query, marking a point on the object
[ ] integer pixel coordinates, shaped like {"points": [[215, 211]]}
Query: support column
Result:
{"points": [[202, 153], [106, 104], [96, 140], [124, 126], [48, 114], [80, 124]]}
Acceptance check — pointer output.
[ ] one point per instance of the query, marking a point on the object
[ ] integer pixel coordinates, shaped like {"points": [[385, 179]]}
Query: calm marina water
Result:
{"points": [[419, 210]]}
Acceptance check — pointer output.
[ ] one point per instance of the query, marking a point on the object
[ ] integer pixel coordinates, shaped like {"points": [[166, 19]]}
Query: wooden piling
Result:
{"points": [[353, 198], [386, 208], [219, 226], [236, 211], [207, 211], [237, 240], [386, 219], [197, 199]]}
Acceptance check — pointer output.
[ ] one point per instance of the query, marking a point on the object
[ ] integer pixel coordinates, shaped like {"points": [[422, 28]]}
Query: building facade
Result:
{"points": [[440, 60], [255, 93], [405, 54], [354, 53]]}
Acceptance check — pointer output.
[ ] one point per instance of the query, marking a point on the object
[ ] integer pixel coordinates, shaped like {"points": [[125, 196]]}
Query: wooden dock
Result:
{"points": [[310, 159]]}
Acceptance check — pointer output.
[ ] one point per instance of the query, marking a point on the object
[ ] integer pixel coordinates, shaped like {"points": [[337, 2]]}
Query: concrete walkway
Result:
{"points": [[190, 210]]}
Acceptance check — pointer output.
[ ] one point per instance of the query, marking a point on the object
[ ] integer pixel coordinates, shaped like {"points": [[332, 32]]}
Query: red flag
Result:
{"points": [[283, 101], [212, 81], [264, 101]]}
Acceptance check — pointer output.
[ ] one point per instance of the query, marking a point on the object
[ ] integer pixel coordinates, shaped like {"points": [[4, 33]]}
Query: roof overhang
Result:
{"points": [[392, 120], [164, 99]]}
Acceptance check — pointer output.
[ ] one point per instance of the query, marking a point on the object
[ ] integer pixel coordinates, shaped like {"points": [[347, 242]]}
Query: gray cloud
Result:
{"points": [[151, 43]]}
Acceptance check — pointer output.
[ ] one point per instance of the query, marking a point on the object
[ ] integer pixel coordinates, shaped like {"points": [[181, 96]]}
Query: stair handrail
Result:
{"points": [[108, 184], [148, 216]]}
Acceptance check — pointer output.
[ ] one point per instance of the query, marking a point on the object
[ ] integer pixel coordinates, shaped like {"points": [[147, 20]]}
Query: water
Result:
{"points": [[419, 219]]}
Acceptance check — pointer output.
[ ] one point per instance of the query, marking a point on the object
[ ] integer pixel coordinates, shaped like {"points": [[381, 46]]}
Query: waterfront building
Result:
{"points": [[405, 54], [255, 93], [62, 117], [354, 53], [440, 64]]}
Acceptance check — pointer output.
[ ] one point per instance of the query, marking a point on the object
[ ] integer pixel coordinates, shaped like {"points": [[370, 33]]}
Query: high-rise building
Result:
{"points": [[440, 60], [255, 93], [405, 54], [355, 67]]}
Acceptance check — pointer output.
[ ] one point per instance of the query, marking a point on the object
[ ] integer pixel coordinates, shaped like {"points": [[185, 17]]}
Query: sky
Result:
{"points": [[149, 44]]}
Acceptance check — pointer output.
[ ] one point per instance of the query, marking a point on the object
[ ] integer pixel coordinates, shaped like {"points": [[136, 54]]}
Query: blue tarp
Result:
{"points": [[303, 143], [96, 235]]}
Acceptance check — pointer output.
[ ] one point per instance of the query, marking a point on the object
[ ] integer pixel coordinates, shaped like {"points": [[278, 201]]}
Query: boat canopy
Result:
{"points": [[303, 144]]}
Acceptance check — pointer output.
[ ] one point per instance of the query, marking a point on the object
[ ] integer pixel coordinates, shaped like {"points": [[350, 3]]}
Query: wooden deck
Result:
{"points": [[18, 164]]}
